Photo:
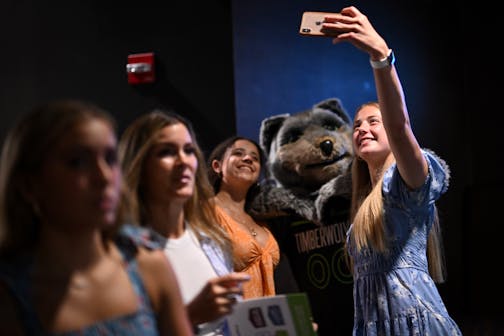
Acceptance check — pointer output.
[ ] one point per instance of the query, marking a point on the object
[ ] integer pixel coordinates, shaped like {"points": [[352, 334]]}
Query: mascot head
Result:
{"points": [[307, 149]]}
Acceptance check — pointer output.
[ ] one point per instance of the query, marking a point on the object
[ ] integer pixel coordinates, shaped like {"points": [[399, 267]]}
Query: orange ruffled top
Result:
{"points": [[250, 257]]}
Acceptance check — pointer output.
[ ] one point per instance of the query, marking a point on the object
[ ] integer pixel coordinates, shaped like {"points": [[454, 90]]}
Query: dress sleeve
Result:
{"points": [[436, 183], [140, 236]]}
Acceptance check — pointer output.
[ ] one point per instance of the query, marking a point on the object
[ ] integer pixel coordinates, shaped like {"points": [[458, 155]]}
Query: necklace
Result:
{"points": [[243, 221], [239, 218]]}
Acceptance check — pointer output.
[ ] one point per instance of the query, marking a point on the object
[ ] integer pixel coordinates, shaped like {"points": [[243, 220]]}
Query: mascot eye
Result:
{"points": [[330, 126], [291, 137]]}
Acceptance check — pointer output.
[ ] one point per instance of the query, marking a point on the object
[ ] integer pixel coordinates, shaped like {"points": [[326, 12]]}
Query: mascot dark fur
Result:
{"points": [[306, 201]]}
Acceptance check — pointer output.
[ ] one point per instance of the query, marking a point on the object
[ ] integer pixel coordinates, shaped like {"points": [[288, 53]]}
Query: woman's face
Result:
{"points": [[170, 167], [80, 180], [370, 140], [240, 164]]}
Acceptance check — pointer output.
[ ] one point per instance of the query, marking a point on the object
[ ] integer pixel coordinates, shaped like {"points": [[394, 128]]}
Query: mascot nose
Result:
{"points": [[326, 146]]}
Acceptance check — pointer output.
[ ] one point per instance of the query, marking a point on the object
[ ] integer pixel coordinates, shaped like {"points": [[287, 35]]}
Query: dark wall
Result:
{"points": [[480, 104], [79, 49], [245, 57]]}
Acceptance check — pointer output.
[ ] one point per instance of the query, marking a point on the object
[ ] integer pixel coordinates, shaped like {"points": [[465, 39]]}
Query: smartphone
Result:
{"points": [[311, 24]]}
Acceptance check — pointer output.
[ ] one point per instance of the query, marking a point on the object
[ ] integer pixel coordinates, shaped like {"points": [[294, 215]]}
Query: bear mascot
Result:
{"points": [[305, 199]]}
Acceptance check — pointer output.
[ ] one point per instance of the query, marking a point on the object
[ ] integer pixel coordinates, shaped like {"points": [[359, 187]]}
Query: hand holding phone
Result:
{"points": [[311, 24]]}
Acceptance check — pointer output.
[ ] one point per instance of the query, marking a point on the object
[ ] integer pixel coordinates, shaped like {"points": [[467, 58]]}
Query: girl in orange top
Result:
{"points": [[234, 169]]}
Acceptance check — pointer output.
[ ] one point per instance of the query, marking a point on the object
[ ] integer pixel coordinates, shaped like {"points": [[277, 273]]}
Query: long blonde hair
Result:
{"points": [[367, 217], [134, 145]]}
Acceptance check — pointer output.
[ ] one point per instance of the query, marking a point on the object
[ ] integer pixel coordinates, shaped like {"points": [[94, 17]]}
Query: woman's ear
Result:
{"points": [[216, 166]]}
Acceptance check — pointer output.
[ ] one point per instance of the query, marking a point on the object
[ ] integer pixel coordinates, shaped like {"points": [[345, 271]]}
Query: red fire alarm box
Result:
{"points": [[140, 68]]}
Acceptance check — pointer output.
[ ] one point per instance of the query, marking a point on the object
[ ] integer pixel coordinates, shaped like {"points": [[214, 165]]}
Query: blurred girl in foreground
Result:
{"points": [[66, 269]]}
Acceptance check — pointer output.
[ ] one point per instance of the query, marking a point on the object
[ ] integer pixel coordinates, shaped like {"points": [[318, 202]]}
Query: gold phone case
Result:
{"points": [[311, 24]]}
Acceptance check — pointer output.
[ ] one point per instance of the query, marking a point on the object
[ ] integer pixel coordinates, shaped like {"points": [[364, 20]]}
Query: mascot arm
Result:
{"points": [[275, 201], [334, 198]]}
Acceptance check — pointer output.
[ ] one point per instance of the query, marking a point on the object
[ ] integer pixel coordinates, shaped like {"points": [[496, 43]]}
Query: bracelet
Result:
{"points": [[384, 62]]}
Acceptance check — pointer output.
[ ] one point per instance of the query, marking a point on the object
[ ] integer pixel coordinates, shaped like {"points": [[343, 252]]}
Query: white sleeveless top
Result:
{"points": [[190, 263]]}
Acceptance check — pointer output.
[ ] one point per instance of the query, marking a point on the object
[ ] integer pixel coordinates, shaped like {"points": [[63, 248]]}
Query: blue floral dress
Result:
{"points": [[142, 322], [393, 293]]}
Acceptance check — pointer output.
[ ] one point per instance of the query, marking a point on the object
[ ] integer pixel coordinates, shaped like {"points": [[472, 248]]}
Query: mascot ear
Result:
{"points": [[269, 130], [334, 105]]}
